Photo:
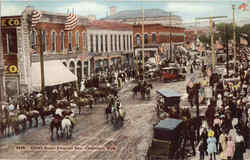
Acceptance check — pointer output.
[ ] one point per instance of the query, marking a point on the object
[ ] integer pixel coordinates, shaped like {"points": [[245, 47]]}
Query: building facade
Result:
{"points": [[110, 43], [151, 16], [157, 38]]}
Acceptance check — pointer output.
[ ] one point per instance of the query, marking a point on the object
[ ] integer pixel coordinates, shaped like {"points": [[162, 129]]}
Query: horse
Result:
{"points": [[32, 114], [148, 90], [135, 90], [66, 127], [55, 123]]}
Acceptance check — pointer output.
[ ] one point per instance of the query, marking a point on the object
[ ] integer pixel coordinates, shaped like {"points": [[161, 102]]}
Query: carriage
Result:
{"points": [[168, 101], [172, 74], [166, 140]]}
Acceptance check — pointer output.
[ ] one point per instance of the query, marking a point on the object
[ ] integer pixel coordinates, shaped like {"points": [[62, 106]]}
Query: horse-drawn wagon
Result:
{"points": [[168, 101], [166, 140]]}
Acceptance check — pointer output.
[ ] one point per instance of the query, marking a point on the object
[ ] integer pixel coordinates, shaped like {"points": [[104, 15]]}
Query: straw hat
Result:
{"points": [[210, 133]]}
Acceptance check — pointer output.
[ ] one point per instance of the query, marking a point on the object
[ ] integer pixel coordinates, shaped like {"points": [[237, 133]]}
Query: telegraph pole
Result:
{"points": [[42, 45], [212, 35], [2, 86], [226, 46], [170, 20], [234, 37], [143, 39]]}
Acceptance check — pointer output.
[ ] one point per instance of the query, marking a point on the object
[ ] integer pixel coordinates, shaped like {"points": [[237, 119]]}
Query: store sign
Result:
{"points": [[11, 69], [10, 22]]}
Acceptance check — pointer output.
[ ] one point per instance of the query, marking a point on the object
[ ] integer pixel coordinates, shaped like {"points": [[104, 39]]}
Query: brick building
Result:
{"points": [[156, 36], [91, 46]]}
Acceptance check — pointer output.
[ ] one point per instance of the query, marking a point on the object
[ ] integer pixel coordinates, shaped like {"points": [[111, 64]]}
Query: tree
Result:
{"points": [[246, 30]]}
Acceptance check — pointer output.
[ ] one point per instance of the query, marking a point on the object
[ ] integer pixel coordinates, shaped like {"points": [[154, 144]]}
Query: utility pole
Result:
{"points": [[2, 86], [42, 45], [170, 20], [234, 37], [226, 46], [143, 39], [212, 35]]}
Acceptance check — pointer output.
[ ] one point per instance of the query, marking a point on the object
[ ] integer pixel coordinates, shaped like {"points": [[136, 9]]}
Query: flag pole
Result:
{"points": [[143, 40]]}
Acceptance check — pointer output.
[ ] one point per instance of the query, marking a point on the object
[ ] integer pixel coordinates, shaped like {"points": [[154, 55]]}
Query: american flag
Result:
{"points": [[243, 7], [36, 16], [71, 22]]}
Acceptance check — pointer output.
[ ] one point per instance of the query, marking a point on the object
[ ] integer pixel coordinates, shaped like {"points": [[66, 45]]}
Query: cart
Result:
{"points": [[167, 138], [168, 101]]}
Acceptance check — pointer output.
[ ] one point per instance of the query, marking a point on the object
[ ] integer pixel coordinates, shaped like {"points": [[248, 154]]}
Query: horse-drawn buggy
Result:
{"points": [[174, 130]]}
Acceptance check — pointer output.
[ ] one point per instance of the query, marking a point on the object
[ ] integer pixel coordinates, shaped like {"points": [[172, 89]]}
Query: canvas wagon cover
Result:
{"points": [[167, 129]]}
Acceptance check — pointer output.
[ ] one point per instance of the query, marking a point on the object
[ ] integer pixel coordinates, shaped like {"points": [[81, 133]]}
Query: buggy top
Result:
{"points": [[168, 93], [167, 129]]}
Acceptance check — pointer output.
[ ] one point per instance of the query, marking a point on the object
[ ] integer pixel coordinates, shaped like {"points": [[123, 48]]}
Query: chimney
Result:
{"points": [[112, 10], [91, 17]]}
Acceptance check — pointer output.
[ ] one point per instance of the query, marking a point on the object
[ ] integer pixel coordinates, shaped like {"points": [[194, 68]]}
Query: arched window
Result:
{"points": [[106, 43], [62, 40], [77, 41], [124, 42], [53, 41], [33, 39], [44, 41], [70, 41], [84, 40], [111, 42], [138, 39], [153, 37], [145, 38], [91, 43]]}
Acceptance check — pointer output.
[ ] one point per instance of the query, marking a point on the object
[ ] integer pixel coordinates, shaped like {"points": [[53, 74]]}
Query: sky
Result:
{"points": [[187, 9]]}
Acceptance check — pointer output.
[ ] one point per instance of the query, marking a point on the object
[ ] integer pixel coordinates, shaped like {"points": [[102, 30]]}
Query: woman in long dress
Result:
{"points": [[211, 147]]}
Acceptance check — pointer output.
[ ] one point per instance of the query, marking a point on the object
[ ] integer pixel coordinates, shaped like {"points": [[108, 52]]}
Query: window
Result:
{"points": [[119, 42], [131, 42], [145, 38], [96, 43], [70, 40], [8, 37], [44, 41], [62, 40], [138, 39], [106, 43], [111, 42], [84, 40], [127, 43], [53, 40], [115, 42], [77, 41], [153, 37], [91, 43], [101, 43], [124, 43], [33, 39]]}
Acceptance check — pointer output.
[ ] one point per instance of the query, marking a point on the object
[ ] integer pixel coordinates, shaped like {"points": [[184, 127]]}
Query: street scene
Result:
{"points": [[127, 80]]}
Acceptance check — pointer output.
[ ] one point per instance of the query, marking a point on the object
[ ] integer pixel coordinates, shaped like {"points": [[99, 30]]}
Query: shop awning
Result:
{"points": [[55, 73]]}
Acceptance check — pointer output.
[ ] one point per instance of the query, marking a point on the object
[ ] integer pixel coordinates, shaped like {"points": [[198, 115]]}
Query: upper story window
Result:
{"points": [[119, 41], [111, 42], [153, 37], [53, 40], [62, 40], [77, 41], [33, 39], [138, 39], [70, 40], [124, 43], [84, 39], [96, 43], [127, 43], [145, 38], [106, 43], [101, 37], [44, 41], [91, 43], [131, 42], [115, 42]]}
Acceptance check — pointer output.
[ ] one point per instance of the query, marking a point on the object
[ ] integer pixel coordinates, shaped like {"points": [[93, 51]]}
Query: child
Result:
{"points": [[230, 148], [211, 148]]}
